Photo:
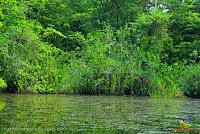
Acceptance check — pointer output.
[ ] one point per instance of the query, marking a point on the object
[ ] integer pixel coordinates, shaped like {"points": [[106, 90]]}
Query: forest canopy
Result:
{"points": [[111, 47]]}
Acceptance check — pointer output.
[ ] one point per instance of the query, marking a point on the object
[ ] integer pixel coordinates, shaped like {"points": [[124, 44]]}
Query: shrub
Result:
{"points": [[141, 86], [191, 86]]}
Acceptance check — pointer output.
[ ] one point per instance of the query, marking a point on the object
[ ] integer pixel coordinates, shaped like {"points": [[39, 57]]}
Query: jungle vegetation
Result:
{"points": [[110, 47]]}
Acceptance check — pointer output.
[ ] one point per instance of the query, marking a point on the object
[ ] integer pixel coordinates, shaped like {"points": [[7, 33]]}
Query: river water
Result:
{"points": [[41, 114]]}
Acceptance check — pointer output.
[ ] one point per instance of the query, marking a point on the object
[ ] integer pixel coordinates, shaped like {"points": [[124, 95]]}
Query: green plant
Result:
{"points": [[192, 86], [2, 84]]}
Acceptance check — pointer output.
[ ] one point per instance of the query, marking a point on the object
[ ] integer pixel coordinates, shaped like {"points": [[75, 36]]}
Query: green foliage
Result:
{"points": [[191, 86], [27, 63], [115, 47], [184, 30], [2, 84]]}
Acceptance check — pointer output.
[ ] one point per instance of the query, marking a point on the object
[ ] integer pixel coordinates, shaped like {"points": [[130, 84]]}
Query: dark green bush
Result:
{"points": [[141, 86], [192, 87]]}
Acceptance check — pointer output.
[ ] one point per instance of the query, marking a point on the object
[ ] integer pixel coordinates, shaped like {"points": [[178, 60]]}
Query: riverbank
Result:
{"points": [[154, 95]]}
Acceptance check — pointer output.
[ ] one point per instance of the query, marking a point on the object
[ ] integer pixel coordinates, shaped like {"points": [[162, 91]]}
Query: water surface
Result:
{"points": [[23, 113]]}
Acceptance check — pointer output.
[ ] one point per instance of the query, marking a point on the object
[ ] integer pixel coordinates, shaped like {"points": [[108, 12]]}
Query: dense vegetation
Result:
{"points": [[119, 47]]}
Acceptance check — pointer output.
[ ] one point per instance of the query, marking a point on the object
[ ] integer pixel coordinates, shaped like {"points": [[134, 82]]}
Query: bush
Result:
{"points": [[192, 87], [141, 86], [191, 84]]}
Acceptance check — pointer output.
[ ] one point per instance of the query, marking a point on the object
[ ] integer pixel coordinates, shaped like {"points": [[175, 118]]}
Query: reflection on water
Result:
{"points": [[94, 114]]}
